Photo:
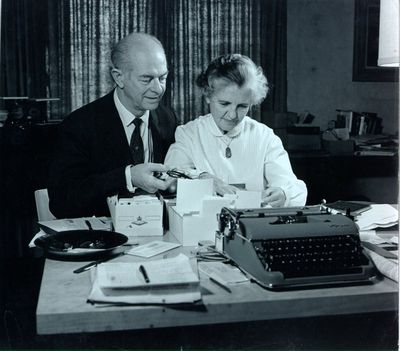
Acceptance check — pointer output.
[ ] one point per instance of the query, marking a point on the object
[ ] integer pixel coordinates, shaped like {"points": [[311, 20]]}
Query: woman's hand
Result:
{"points": [[274, 197], [220, 187]]}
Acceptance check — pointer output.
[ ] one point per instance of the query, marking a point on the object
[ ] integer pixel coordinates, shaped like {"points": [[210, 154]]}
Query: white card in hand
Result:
{"points": [[248, 199], [190, 194]]}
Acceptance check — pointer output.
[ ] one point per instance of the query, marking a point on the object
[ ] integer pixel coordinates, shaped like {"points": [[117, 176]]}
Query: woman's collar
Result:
{"points": [[234, 132]]}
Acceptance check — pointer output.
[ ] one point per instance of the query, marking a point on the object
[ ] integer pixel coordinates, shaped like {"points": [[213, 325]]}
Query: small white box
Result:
{"points": [[190, 228], [137, 216]]}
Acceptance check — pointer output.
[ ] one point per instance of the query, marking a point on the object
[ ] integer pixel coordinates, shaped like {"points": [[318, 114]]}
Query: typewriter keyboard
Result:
{"points": [[311, 256]]}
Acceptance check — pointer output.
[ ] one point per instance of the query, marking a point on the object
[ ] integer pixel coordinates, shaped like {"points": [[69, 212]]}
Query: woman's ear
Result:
{"points": [[118, 77], [207, 100]]}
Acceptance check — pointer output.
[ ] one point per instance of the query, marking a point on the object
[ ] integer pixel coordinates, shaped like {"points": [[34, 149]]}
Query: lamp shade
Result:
{"points": [[389, 34]]}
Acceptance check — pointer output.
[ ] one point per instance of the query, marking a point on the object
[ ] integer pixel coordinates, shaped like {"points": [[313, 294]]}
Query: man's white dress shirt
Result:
{"points": [[127, 121]]}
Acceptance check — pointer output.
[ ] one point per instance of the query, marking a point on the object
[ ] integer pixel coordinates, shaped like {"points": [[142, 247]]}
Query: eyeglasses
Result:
{"points": [[177, 174], [173, 173]]}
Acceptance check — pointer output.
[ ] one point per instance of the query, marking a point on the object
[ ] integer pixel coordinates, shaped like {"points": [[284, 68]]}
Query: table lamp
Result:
{"points": [[389, 34]]}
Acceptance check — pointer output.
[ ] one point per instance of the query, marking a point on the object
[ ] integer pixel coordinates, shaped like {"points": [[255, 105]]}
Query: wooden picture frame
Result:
{"points": [[366, 42]]}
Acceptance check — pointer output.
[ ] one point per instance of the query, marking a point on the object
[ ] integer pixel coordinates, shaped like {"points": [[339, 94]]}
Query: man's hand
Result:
{"points": [[220, 187], [142, 176], [274, 196]]}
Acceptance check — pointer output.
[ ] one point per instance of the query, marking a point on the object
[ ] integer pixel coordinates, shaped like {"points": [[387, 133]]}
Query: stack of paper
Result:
{"points": [[382, 216], [166, 281]]}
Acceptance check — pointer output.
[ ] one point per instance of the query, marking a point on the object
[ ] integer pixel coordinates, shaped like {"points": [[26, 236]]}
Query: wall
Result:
{"points": [[320, 65]]}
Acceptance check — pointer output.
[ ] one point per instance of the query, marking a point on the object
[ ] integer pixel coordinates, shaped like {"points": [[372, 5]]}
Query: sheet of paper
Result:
{"points": [[248, 199], [223, 272], [169, 271], [58, 225], [370, 236], [377, 216], [190, 194], [389, 268], [151, 249], [211, 205]]}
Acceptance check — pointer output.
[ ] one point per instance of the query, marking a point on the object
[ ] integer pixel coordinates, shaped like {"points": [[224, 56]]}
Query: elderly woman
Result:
{"points": [[229, 146]]}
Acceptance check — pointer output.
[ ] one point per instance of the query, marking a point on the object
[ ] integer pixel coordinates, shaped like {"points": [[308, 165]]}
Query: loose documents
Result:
{"points": [[166, 281], [388, 267], [222, 272], [382, 216]]}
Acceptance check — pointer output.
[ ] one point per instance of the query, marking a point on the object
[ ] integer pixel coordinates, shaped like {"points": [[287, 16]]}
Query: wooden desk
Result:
{"points": [[62, 306]]}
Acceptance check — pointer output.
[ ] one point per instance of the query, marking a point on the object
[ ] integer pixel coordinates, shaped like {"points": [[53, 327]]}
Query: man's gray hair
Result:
{"points": [[120, 53]]}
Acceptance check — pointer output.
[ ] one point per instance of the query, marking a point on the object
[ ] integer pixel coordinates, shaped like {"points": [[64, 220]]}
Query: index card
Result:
{"points": [[190, 194], [248, 199], [211, 205]]}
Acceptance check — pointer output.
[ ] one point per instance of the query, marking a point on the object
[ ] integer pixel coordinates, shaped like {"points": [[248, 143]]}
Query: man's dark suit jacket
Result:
{"points": [[92, 155]]}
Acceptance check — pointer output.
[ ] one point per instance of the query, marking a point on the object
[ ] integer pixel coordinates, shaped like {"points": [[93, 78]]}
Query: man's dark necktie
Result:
{"points": [[136, 143]]}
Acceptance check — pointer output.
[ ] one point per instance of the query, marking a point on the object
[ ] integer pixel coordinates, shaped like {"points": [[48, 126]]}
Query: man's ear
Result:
{"points": [[118, 77]]}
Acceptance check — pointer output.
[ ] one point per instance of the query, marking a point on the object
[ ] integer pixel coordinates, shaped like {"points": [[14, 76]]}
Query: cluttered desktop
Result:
{"points": [[154, 257]]}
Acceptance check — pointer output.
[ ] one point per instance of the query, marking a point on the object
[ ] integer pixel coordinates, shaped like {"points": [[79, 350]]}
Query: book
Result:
{"points": [[355, 208], [375, 153], [360, 130], [164, 281]]}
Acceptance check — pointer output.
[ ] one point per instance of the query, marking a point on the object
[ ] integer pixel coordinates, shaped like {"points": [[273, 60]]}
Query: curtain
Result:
{"points": [[273, 54], [201, 30], [75, 49], [23, 48]]}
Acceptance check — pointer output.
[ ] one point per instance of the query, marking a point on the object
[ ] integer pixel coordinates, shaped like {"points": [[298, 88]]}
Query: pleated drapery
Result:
{"points": [[203, 30], [81, 34]]}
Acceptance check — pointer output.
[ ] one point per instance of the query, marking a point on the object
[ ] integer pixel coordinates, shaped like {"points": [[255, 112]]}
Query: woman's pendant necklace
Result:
{"points": [[228, 152]]}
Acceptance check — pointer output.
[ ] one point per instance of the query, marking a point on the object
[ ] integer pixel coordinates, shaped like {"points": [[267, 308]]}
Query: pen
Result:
{"points": [[222, 285], [88, 224], [94, 263], [145, 276]]}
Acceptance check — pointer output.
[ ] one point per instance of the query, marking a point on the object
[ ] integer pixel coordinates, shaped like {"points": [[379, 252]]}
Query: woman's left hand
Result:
{"points": [[274, 197]]}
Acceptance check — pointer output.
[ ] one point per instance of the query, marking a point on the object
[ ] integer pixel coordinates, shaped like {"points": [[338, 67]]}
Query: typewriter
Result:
{"points": [[289, 248]]}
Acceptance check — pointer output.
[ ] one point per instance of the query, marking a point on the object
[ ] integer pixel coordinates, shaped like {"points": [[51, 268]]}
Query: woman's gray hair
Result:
{"points": [[238, 69]]}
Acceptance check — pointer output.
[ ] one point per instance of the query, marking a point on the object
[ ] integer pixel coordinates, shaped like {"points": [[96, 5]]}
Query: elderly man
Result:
{"points": [[117, 142]]}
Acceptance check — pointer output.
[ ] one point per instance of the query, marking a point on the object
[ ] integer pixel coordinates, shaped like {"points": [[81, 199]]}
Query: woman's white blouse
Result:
{"points": [[258, 158]]}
